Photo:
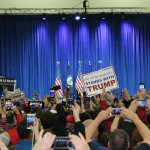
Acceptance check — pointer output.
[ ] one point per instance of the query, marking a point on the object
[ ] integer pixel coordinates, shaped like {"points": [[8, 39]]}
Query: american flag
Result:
{"points": [[59, 92], [79, 85]]}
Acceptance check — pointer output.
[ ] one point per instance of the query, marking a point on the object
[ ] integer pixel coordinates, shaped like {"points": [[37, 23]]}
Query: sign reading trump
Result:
{"points": [[96, 81]]}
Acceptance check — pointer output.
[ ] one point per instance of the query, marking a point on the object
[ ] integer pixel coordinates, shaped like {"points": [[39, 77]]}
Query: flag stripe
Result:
{"points": [[59, 92], [79, 85]]}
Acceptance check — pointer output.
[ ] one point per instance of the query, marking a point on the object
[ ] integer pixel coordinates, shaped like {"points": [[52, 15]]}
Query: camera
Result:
{"points": [[116, 112], [35, 105], [86, 102], [70, 99], [141, 86], [51, 95], [78, 101], [8, 105], [52, 92], [30, 120], [62, 143], [142, 103]]}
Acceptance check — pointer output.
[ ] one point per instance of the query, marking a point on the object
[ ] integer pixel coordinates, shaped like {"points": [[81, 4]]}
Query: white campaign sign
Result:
{"points": [[96, 81]]}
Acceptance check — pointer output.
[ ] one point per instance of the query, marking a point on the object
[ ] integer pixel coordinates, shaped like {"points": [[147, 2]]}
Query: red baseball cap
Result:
{"points": [[70, 118]]}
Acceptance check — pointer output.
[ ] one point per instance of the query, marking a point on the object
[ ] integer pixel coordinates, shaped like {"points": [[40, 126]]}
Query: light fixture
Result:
{"points": [[63, 16], [103, 16], [77, 16], [84, 16], [122, 16], [44, 18]]}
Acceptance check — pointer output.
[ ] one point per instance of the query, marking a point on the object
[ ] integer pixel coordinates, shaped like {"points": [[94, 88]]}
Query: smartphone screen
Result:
{"points": [[36, 104], [8, 105], [141, 86], [84, 94], [116, 112], [142, 103], [30, 120], [78, 101], [62, 143], [70, 99], [86, 102], [52, 92], [70, 102]]}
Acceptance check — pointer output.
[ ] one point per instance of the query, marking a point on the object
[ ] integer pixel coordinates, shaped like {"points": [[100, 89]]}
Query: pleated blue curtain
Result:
{"points": [[30, 48]]}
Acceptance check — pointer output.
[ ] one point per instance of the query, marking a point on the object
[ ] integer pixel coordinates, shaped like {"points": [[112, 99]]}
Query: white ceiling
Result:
{"points": [[71, 3]]}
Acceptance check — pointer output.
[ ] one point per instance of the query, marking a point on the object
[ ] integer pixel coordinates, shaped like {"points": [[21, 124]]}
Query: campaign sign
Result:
{"points": [[16, 93], [7, 82], [95, 82]]}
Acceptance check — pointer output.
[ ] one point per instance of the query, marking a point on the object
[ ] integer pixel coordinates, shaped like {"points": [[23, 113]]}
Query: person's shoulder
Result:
{"points": [[144, 146], [96, 146]]}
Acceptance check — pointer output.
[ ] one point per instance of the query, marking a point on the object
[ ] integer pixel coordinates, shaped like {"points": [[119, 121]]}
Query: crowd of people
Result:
{"points": [[95, 123]]}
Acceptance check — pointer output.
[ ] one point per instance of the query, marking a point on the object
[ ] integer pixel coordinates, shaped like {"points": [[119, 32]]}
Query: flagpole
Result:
{"points": [[58, 69], [90, 66], [100, 62], [58, 81], [110, 63], [69, 79]]}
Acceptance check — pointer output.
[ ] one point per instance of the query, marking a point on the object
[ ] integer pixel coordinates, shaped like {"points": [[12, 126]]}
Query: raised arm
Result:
{"points": [[142, 128], [114, 125], [91, 129]]}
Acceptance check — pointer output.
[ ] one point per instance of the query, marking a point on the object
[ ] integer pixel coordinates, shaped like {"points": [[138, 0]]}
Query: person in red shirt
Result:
{"points": [[13, 119]]}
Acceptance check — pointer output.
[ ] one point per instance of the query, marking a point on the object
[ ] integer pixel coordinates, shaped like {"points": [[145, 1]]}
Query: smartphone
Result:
{"points": [[84, 94], [56, 87], [86, 102], [70, 102], [36, 104], [8, 105], [70, 99], [62, 143], [78, 101], [14, 106], [52, 92], [142, 103], [116, 112], [46, 109], [30, 120], [141, 86]]}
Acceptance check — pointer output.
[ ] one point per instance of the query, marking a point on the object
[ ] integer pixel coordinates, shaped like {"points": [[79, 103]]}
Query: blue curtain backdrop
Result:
{"points": [[30, 48]]}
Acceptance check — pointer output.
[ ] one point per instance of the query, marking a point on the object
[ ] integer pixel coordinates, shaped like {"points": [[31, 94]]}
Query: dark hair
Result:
{"points": [[12, 147], [10, 117], [22, 130], [148, 119], [127, 126], [84, 116], [47, 119], [119, 140], [104, 138], [136, 137], [93, 114]]}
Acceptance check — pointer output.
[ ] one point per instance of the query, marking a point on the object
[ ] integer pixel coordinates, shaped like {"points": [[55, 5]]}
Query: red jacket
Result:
{"points": [[107, 123], [14, 137]]}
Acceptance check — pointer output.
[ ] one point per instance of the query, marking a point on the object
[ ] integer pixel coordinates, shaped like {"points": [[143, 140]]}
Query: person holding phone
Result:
{"points": [[13, 119], [25, 135]]}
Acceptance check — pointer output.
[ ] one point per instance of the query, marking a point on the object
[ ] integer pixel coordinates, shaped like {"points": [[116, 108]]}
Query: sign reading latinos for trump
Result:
{"points": [[95, 82]]}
